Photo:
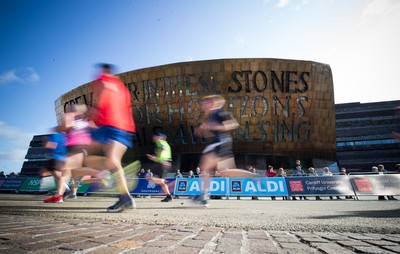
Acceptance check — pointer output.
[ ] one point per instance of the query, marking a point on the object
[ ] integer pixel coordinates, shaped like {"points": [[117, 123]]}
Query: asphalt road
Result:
{"points": [[362, 216]]}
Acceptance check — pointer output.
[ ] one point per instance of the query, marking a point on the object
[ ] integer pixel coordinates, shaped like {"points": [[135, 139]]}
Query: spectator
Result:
{"points": [[381, 170], [282, 173], [142, 173], [254, 171], [2, 175], [198, 172], [327, 172], [178, 174], [297, 168], [271, 173], [298, 171], [375, 170], [397, 168], [149, 174], [312, 172], [343, 172], [191, 174]]}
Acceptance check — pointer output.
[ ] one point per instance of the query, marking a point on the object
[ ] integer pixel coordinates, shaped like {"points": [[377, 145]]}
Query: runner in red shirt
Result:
{"points": [[112, 113]]}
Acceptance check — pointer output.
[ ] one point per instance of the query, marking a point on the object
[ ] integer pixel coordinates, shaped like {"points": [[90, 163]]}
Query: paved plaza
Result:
{"points": [[27, 225]]}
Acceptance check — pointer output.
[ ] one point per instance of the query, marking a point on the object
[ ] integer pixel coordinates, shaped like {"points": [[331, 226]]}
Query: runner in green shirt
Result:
{"points": [[163, 158]]}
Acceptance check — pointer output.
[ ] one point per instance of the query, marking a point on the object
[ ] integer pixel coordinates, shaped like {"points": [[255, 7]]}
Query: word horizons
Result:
{"points": [[278, 108]]}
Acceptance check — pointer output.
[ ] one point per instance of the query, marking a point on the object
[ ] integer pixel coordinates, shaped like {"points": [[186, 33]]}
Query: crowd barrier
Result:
{"points": [[338, 185]]}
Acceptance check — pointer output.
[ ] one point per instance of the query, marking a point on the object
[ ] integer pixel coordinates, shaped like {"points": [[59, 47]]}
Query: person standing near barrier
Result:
{"points": [[198, 172], [327, 172], [162, 156], [312, 172], [112, 113], [297, 168], [191, 174], [375, 170], [381, 170], [343, 172], [254, 171], [218, 153], [178, 174], [282, 173], [298, 171], [271, 173], [142, 173]]}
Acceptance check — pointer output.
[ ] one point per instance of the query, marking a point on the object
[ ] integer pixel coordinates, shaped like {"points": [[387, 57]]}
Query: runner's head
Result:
{"points": [[216, 101], [159, 135]]}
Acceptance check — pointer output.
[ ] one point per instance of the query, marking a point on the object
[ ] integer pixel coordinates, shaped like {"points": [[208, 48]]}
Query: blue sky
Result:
{"points": [[49, 47]]}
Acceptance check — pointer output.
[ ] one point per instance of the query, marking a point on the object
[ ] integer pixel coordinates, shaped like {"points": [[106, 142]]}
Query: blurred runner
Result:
{"points": [[112, 113], [218, 153], [163, 159], [57, 153]]}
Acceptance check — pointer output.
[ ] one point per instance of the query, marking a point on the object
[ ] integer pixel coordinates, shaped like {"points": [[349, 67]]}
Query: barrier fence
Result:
{"points": [[338, 185]]}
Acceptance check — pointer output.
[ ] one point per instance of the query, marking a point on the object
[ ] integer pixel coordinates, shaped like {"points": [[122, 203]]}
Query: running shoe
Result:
{"points": [[124, 201], [201, 199], [54, 199], [168, 198], [70, 195]]}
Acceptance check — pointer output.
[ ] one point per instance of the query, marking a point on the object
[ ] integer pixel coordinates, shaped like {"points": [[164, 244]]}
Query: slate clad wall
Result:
{"points": [[364, 135], [36, 156]]}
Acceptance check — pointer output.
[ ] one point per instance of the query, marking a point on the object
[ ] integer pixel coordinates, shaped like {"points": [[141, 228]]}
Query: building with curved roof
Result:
{"points": [[285, 109]]}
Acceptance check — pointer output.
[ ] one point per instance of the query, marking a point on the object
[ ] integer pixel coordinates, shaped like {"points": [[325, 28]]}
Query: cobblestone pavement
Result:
{"points": [[28, 231], [28, 234]]}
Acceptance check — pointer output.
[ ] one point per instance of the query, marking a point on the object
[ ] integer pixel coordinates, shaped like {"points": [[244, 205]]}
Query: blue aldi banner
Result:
{"points": [[320, 186], [265, 186], [233, 186], [193, 186]]}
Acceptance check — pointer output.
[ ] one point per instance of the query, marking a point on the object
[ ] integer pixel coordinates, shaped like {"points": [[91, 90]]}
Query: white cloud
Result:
{"points": [[15, 155], [14, 142], [282, 3], [297, 5], [379, 8], [21, 75]]}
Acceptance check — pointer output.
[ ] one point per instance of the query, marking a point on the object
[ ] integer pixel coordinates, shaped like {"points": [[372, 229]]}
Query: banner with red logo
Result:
{"points": [[367, 185]]}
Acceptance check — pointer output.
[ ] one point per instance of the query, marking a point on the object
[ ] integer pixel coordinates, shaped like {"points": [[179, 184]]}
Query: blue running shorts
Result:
{"points": [[106, 134]]}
